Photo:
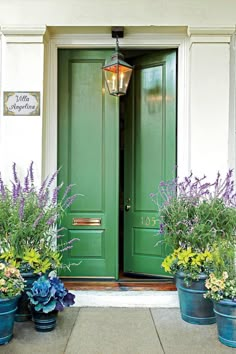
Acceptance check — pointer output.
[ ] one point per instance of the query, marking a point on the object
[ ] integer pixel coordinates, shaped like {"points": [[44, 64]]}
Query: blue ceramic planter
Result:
{"points": [[194, 307], [7, 313], [44, 322], [23, 312], [225, 311]]}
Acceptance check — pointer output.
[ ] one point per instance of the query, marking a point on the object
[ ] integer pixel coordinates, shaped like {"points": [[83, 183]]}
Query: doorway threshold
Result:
{"points": [[121, 285]]}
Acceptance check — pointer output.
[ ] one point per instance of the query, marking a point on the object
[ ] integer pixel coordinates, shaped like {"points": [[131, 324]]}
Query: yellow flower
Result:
{"points": [[208, 255], [225, 275], [214, 288], [220, 283], [207, 284], [185, 256], [2, 266], [2, 281], [196, 261], [166, 264]]}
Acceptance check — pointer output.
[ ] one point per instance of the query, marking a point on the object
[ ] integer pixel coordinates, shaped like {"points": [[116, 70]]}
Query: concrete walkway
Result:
{"points": [[117, 331]]}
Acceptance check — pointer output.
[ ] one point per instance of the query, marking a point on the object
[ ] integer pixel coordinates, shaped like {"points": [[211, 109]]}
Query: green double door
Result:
{"points": [[88, 151]]}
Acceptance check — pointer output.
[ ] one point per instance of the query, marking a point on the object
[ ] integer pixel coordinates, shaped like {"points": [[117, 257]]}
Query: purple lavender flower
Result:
{"points": [[31, 173], [162, 228], [69, 201], [68, 188], [2, 188], [43, 199], [15, 173], [53, 177], [14, 193], [42, 188], [26, 183], [66, 248], [72, 240], [51, 220], [55, 193], [35, 224]]}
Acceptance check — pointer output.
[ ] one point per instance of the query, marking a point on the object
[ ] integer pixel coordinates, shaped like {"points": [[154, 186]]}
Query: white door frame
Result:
{"points": [[104, 40]]}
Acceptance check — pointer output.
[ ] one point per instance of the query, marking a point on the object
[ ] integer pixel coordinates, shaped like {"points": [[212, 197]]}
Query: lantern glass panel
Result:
{"points": [[117, 79]]}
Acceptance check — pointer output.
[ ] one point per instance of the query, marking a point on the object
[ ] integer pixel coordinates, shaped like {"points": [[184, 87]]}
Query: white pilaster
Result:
{"points": [[22, 70], [209, 99]]}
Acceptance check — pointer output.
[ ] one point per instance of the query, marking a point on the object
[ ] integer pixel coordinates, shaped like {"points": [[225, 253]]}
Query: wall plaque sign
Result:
{"points": [[21, 103]]}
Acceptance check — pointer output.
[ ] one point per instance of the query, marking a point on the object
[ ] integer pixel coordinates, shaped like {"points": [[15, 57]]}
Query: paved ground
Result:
{"points": [[117, 331]]}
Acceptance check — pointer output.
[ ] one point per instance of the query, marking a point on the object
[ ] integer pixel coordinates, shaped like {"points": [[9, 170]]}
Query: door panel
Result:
{"points": [[88, 153], [150, 157]]}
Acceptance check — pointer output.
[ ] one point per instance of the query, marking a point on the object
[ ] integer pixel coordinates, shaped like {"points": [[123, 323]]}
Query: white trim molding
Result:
{"points": [[232, 107], [23, 34], [103, 40], [222, 35], [211, 34]]}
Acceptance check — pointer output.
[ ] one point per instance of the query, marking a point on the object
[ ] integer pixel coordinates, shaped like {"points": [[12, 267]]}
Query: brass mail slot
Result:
{"points": [[86, 222]]}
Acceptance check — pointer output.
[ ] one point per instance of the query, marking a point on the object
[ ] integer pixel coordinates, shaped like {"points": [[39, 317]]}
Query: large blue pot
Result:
{"points": [[194, 307], [7, 313], [23, 312], [225, 311]]}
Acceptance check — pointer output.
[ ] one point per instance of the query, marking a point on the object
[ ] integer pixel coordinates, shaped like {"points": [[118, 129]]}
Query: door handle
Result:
{"points": [[128, 206]]}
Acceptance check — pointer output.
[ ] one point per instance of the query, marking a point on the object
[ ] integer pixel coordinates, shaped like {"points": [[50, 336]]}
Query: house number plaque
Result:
{"points": [[148, 221], [21, 103]]}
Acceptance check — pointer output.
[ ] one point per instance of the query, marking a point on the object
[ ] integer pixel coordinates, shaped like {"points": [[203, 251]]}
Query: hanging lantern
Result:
{"points": [[117, 72]]}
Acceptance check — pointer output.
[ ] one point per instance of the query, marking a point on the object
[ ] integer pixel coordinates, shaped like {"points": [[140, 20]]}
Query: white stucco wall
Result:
{"points": [[21, 136], [122, 12], [209, 141], [209, 107]]}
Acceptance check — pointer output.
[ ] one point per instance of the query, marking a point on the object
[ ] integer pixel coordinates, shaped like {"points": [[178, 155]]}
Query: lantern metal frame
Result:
{"points": [[116, 62]]}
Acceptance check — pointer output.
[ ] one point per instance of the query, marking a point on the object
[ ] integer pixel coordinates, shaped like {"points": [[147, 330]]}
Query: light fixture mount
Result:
{"points": [[117, 32]]}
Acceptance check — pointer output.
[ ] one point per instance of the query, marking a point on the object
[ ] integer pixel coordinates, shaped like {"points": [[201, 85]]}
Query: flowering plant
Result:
{"points": [[220, 287], [221, 283], [28, 219], [189, 262], [11, 282], [196, 216], [48, 294]]}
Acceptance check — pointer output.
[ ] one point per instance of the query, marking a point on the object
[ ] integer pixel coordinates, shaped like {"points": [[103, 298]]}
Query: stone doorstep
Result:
{"points": [[145, 299]]}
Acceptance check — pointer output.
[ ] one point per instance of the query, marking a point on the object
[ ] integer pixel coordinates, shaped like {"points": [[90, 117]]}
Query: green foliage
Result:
{"points": [[29, 217], [198, 218], [39, 262], [221, 283], [198, 225]]}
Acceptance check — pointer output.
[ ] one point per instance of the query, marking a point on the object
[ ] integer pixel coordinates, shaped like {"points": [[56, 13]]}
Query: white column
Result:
{"points": [[209, 99], [22, 69]]}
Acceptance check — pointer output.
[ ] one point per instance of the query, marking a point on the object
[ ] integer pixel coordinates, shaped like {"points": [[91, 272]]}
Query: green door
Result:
{"points": [[150, 157], [88, 153]]}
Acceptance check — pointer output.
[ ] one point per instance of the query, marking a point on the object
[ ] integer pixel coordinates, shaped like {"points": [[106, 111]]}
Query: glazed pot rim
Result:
{"points": [[10, 298], [225, 302], [28, 274], [182, 274]]}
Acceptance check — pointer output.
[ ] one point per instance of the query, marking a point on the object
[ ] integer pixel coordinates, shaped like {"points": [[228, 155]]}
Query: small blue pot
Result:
{"points": [[225, 311], [7, 313], [44, 322], [194, 307], [23, 312]]}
